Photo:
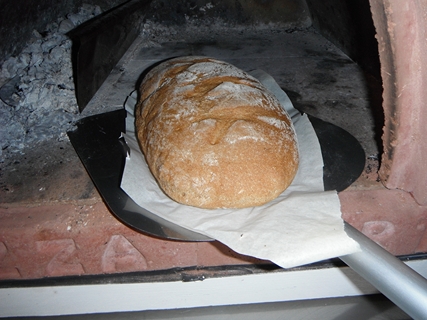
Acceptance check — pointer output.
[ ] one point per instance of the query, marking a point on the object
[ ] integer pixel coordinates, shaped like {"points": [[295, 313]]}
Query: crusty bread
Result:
{"points": [[214, 136]]}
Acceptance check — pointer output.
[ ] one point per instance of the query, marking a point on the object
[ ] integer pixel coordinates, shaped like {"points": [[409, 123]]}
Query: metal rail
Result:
{"points": [[393, 278]]}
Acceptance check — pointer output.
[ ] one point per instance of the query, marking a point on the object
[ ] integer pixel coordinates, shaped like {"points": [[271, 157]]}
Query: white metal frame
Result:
{"points": [[230, 290]]}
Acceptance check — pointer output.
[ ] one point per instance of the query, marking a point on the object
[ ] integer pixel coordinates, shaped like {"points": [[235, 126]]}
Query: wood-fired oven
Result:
{"points": [[360, 65]]}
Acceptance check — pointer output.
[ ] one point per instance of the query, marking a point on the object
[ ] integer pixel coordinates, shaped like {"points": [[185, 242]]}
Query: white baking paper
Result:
{"points": [[303, 225]]}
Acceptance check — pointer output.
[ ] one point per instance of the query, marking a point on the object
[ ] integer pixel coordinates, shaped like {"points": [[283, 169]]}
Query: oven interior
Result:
{"points": [[324, 56]]}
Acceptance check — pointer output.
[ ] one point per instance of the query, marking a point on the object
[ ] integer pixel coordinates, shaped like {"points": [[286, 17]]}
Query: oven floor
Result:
{"points": [[319, 78]]}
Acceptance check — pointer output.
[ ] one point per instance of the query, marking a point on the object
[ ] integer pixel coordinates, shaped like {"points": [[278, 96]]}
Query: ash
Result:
{"points": [[37, 97], [37, 94]]}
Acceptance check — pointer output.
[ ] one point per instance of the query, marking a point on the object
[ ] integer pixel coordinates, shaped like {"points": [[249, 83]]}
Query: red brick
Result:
{"points": [[392, 218], [401, 32], [68, 239]]}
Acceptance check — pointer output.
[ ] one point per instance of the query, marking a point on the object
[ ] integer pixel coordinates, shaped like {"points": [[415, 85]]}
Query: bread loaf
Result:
{"points": [[214, 136]]}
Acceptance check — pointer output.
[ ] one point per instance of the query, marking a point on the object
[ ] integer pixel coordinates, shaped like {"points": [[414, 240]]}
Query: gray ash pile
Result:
{"points": [[37, 98]]}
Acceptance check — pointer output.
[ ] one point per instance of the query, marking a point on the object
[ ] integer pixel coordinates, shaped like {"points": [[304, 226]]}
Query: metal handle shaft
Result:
{"points": [[393, 278]]}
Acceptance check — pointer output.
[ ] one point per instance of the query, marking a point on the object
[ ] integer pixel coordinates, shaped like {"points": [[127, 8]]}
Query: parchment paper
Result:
{"points": [[303, 225]]}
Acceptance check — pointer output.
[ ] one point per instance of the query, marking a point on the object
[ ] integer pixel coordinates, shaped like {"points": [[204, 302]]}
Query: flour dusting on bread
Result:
{"points": [[214, 136]]}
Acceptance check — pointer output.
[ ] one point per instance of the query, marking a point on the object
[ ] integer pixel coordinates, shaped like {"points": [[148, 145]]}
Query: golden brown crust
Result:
{"points": [[213, 136]]}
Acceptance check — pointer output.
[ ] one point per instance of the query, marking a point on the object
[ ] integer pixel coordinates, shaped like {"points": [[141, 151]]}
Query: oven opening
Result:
{"points": [[324, 55]]}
